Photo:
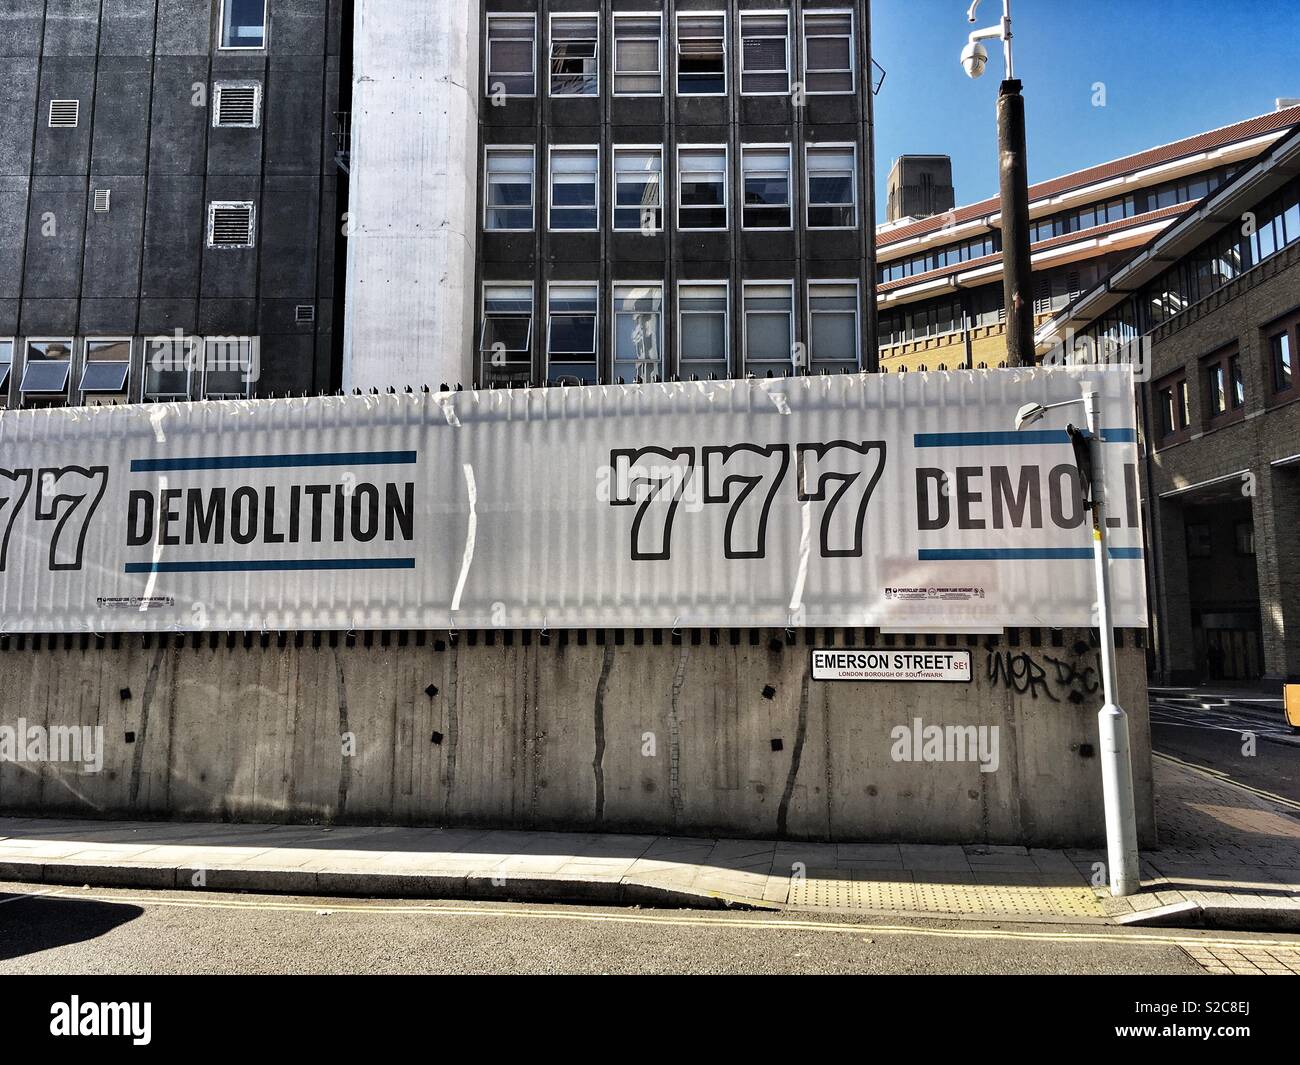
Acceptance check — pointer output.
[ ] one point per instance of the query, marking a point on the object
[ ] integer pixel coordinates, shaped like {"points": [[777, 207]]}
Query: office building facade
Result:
{"points": [[168, 198]]}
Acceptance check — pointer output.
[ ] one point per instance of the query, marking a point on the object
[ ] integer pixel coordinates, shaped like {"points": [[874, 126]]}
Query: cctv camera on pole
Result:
{"points": [[1017, 283]]}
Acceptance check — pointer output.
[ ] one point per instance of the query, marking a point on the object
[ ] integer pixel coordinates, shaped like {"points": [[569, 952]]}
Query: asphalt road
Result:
{"points": [[1215, 740], [128, 931]]}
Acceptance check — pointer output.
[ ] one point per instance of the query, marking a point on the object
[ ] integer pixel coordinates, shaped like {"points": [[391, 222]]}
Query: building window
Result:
{"points": [[237, 104], [1172, 408], [766, 178], [230, 224], [1216, 390], [702, 188], [168, 362], [6, 363], [229, 367], [638, 55], [1225, 389], [702, 55], [765, 54], [828, 52], [107, 364], [574, 178], [575, 66], [507, 334], [45, 373], [1281, 361], [1200, 542], [1244, 534], [638, 333], [571, 334], [833, 333], [832, 187], [243, 23], [702, 329], [509, 190], [511, 55], [769, 327], [638, 189]]}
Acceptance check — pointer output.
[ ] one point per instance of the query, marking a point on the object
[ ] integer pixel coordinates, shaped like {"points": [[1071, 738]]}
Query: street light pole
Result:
{"points": [[1013, 182], [1112, 722]]}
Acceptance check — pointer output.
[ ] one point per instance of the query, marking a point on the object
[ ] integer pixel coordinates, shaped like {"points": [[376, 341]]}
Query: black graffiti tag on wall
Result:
{"points": [[1051, 678]]}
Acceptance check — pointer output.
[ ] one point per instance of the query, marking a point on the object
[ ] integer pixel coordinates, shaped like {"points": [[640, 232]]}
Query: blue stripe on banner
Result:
{"points": [[270, 462], [1011, 437], [260, 566], [967, 554]]}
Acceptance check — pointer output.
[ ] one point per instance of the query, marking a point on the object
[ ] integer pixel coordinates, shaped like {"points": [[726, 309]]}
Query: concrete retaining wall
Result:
{"points": [[711, 732]]}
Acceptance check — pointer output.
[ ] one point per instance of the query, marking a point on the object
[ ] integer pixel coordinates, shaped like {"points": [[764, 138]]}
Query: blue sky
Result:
{"points": [[1171, 68]]}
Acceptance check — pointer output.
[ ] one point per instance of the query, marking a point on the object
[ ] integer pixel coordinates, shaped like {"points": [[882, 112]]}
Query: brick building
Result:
{"points": [[939, 279], [1215, 301]]}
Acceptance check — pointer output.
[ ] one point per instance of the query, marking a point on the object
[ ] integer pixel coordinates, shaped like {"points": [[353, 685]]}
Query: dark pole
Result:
{"points": [[1017, 278]]}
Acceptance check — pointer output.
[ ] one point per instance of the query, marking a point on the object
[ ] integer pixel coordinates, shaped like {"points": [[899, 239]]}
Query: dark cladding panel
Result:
{"points": [[121, 115], [20, 27], [297, 28], [108, 317], [126, 27], [184, 27], [113, 238], [18, 80], [295, 122], [71, 28], [56, 219], [13, 224], [178, 125], [289, 221], [174, 234]]}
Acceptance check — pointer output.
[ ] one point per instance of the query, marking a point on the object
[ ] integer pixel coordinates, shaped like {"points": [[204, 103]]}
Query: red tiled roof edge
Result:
{"points": [[1251, 127]]}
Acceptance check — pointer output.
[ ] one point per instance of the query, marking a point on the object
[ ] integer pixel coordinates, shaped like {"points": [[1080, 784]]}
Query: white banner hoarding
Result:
{"points": [[904, 501]]}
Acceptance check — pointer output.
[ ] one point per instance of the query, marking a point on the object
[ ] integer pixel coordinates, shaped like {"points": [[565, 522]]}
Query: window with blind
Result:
{"points": [[574, 189], [571, 334], [638, 189], [243, 23], [828, 52], [769, 327], [638, 55], [638, 332], [575, 48], [702, 188], [765, 53], [766, 182], [832, 187], [702, 55], [511, 66], [702, 329], [833, 333], [508, 189]]}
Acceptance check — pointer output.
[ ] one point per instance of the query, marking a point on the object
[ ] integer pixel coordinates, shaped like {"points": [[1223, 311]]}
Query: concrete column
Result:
{"points": [[1276, 508], [413, 202]]}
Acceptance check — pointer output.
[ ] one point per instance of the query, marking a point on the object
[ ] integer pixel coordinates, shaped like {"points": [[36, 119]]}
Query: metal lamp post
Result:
{"points": [[1112, 721], [1017, 280]]}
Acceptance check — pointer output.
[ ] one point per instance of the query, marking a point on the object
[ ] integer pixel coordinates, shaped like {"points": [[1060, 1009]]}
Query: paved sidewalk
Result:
{"points": [[1228, 858]]}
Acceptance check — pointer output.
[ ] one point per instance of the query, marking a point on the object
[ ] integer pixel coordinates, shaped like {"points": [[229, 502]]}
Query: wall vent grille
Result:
{"points": [[64, 114], [237, 105], [230, 225]]}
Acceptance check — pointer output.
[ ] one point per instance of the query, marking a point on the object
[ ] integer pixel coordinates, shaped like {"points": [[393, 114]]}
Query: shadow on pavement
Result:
{"points": [[29, 924]]}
